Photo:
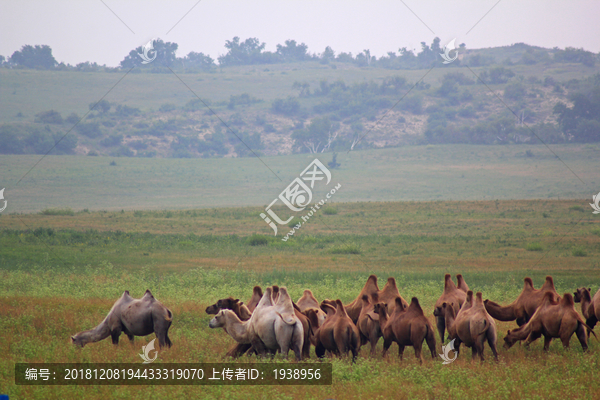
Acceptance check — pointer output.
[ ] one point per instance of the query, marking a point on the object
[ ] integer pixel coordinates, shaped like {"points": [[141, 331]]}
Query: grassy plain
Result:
{"points": [[63, 274], [448, 172]]}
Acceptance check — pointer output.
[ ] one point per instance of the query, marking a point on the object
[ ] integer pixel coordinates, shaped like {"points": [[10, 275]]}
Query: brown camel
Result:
{"points": [[338, 334], [272, 326], [368, 323], [307, 301], [353, 309], [590, 306], [407, 327], [553, 319], [453, 296], [462, 285], [134, 317], [257, 294], [387, 295], [523, 308], [472, 326], [239, 308]]}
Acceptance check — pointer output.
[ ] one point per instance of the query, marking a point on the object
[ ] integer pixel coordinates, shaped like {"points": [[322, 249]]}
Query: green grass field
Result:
{"points": [[62, 275], [416, 173]]}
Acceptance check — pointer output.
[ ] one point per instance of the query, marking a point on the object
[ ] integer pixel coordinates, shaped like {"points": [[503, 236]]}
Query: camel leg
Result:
{"points": [[431, 343], [374, 340], [533, 336], [298, 345], [479, 346], [547, 340], [114, 334], [441, 326], [131, 338], [457, 344], [342, 346], [259, 347], [491, 339], [320, 349], [591, 322], [580, 332], [418, 349], [473, 352], [386, 346], [401, 351]]}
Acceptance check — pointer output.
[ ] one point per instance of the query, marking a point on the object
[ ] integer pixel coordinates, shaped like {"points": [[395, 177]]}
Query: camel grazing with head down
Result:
{"points": [[387, 295], [523, 308], [368, 323], [454, 296], [407, 327], [472, 326], [134, 317], [338, 334], [272, 327], [590, 306], [553, 319]]}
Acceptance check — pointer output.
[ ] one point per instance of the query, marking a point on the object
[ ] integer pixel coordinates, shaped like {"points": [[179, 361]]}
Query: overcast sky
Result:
{"points": [[87, 30]]}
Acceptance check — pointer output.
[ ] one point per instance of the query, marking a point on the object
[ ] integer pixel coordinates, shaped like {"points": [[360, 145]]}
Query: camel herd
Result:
{"points": [[271, 322]]}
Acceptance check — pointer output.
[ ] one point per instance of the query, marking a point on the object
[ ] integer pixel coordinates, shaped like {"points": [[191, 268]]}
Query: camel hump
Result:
{"points": [[549, 284], [257, 290], [340, 309], [528, 284], [400, 304], [266, 300], [391, 281], [148, 294], [550, 298], [414, 304], [371, 284], [448, 283], [479, 298], [372, 279], [566, 301]]}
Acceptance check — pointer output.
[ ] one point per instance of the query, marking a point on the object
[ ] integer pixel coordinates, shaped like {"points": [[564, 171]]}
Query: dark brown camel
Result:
{"points": [[338, 334], [452, 296], [553, 319], [523, 308], [590, 306], [407, 327]]}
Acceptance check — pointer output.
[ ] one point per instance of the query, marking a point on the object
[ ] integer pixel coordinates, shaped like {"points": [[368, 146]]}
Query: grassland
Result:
{"points": [[62, 275], [447, 172]]}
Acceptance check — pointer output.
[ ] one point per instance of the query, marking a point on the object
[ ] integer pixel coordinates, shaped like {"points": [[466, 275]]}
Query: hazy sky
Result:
{"points": [[87, 30]]}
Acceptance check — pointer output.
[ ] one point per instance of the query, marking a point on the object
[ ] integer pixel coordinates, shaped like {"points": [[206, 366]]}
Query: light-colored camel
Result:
{"points": [[523, 308], [472, 326], [368, 323], [338, 334], [553, 319], [133, 317], [239, 308], [307, 301], [590, 306], [272, 327], [452, 296], [387, 295], [407, 327]]}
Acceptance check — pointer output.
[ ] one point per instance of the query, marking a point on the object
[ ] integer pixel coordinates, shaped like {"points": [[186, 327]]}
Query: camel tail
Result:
{"points": [[169, 316], [590, 330]]}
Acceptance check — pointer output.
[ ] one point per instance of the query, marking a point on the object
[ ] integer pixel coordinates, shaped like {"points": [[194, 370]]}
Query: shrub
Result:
{"points": [[534, 247], [58, 211], [346, 249], [258, 240], [579, 252], [89, 129], [576, 208], [330, 210]]}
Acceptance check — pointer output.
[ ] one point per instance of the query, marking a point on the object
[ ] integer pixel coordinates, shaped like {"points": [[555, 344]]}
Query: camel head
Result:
{"points": [[228, 303], [581, 294], [219, 320], [77, 340], [511, 337]]}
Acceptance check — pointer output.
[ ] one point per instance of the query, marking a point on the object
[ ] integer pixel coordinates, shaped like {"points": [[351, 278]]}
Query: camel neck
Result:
{"points": [[237, 329], [96, 334]]}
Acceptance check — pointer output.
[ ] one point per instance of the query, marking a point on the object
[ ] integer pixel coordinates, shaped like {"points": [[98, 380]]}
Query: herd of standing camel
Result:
{"points": [[271, 322]]}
